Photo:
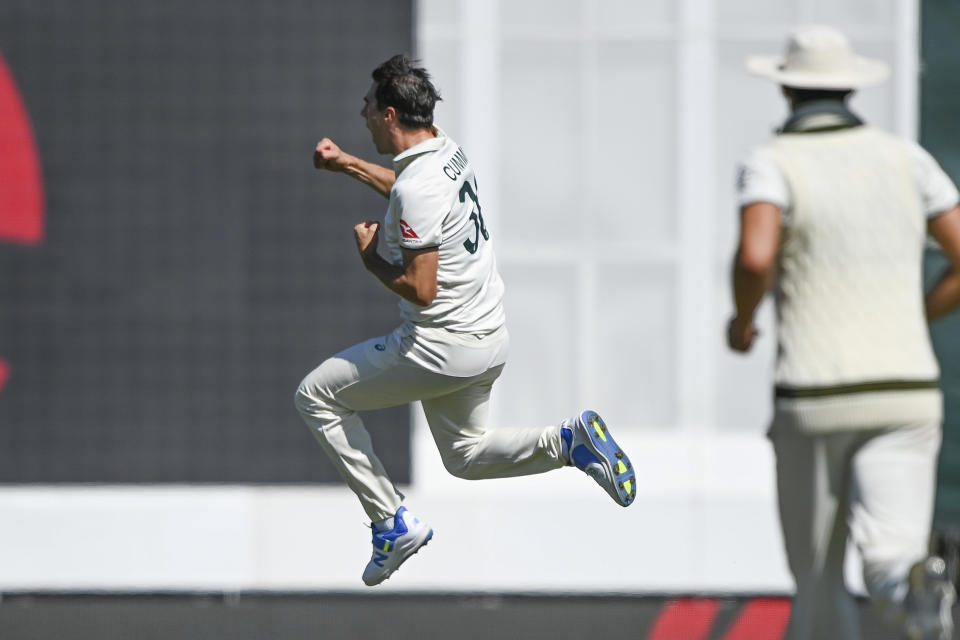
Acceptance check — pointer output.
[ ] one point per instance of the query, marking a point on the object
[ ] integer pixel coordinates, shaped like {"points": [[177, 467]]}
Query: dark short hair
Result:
{"points": [[406, 88], [809, 95]]}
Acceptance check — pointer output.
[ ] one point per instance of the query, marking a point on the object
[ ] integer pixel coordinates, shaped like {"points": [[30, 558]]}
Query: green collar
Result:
{"points": [[820, 115]]}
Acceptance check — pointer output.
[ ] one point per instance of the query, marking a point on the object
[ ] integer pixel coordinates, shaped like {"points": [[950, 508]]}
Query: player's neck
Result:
{"points": [[403, 139]]}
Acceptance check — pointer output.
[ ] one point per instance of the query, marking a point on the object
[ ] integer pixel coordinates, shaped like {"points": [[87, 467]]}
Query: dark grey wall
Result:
{"points": [[195, 265], [423, 616], [939, 106]]}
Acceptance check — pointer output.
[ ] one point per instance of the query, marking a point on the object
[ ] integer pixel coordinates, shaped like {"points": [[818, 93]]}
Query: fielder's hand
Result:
{"points": [[328, 156], [740, 334], [367, 236]]}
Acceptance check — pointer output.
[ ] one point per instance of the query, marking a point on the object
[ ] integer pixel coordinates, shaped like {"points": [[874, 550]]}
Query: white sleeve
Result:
{"points": [[420, 213], [759, 179], [937, 192]]}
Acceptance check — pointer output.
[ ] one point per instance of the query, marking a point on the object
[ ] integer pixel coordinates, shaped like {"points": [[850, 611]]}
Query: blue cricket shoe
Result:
{"points": [[391, 548], [592, 449]]}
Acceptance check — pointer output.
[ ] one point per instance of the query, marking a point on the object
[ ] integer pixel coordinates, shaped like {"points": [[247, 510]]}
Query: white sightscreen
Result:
{"points": [[610, 147]]}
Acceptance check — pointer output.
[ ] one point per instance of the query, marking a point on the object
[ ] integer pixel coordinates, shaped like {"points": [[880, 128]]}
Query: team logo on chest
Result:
{"points": [[407, 231]]}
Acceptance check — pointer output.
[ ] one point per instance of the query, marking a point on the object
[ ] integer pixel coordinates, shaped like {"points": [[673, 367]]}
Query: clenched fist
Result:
{"points": [[740, 334], [367, 237], [328, 156]]}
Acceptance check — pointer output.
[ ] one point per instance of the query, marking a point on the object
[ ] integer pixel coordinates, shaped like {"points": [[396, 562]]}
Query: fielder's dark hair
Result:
{"points": [[406, 88], [800, 96]]}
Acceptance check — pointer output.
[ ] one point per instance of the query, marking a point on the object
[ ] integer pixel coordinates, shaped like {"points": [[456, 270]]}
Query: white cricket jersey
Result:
{"points": [[435, 203]]}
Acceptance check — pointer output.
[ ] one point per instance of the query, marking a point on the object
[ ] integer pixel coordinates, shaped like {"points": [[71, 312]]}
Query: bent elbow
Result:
{"points": [[757, 263], [424, 296], [428, 297]]}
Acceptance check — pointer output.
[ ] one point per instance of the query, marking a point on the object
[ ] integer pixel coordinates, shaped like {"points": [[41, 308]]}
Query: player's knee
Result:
{"points": [[308, 399], [301, 400], [460, 469], [461, 465]]}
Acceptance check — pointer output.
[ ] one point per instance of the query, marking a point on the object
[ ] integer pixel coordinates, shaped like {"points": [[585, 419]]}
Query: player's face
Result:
{"points": [[376, 123]]}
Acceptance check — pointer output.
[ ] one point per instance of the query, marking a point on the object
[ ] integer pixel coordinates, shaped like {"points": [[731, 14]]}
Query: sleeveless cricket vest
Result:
{"points": [[854, 349]]}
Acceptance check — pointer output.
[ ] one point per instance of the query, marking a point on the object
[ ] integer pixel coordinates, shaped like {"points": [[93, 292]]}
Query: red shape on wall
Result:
{"points": [[687, 618], [761, 619], [21, 181]]}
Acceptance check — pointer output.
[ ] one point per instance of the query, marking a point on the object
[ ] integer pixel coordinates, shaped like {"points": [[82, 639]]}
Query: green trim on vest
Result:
{"points": [[820, 116], [862, 387]]}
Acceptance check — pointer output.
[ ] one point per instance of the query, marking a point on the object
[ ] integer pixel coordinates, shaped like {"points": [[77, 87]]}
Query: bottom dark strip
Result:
{"points": [[863, 387]]}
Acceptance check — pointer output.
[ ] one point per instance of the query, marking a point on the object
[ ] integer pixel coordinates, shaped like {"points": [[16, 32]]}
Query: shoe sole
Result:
{"points": [[418, 544], [614, 460], [947, 600], [939, 627]]}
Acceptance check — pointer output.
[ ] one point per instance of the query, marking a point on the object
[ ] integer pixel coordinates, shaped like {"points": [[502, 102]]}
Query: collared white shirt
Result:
{"points": [[435, 202]]}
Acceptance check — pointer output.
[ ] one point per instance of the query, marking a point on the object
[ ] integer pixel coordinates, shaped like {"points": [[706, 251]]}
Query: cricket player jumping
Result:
{"points": [[452, 343]]}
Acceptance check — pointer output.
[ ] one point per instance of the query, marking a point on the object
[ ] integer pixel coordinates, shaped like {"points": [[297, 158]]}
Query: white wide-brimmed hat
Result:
{"points": [[819, 57]]}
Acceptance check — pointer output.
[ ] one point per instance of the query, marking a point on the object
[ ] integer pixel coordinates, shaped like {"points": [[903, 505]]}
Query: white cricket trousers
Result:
{"points": [[380, 373], [876, 486]]}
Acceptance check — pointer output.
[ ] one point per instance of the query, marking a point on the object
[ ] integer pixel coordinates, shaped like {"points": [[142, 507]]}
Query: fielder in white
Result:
{"points": [[452, 343], [834, 218]]}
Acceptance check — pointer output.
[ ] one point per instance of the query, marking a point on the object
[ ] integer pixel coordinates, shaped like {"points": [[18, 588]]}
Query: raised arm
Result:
{"points": [[944, 297], [329, 156]]}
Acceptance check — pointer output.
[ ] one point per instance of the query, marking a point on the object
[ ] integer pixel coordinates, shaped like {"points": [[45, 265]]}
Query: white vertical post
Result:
{"points": [[697, 324], [587, 137], [907, 68], [480, 88]]}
